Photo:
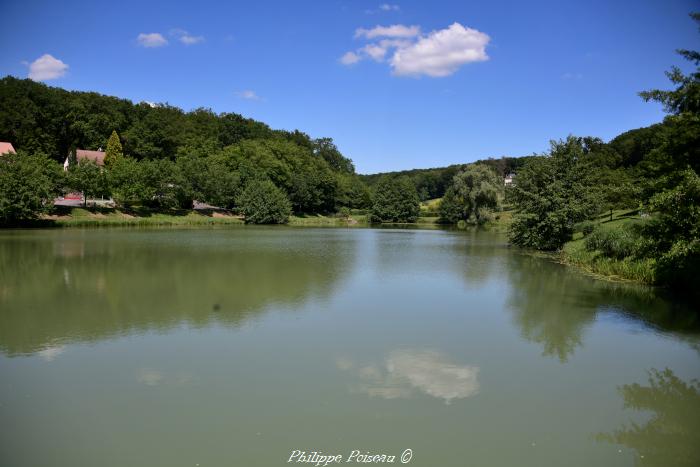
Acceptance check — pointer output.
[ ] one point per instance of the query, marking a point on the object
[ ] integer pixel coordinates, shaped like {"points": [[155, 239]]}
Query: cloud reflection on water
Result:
{"points": [[50, 353], [405, 371]]}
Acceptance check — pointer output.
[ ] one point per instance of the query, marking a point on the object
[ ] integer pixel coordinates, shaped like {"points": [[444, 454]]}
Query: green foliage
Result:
{"points": [[36, 117], [433, 183], [154, 183], [88, 178], [615, 243], [395, 200], [429, 183], [208, 180], [165, 185], [585, 227], [686, 96], [476, 192], [553, 193], [673, 234], [352, 192], [343, 213], [451, 209], [28, 185], [114, 150], [263, 203], [126, 182], [326, 149]]}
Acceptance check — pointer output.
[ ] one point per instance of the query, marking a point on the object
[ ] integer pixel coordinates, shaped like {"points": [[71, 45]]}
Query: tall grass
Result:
{"points": [[618, 243], [611, 250]]}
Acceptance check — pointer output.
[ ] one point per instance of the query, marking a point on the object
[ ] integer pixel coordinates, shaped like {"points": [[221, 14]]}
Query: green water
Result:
{"points": [[237, 346]]}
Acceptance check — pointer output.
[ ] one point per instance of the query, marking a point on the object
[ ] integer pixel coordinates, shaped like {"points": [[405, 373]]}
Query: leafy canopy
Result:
{"points": [[475, 193], [263, 203], [395, 200]]}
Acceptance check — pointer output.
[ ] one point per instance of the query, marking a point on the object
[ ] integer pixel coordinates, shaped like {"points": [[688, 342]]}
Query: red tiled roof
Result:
{"points": [[6, 148], [98, 157]]}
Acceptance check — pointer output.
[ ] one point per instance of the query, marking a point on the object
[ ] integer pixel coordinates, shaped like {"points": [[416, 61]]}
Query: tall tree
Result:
{"points": [[686, 96], [263, 203], [114, 149], [553, 193], [28, 185], [87, 178], [395, 200], [475, 193]]}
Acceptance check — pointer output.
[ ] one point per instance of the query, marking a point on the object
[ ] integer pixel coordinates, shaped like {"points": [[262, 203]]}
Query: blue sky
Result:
{"points": [[450, 82]]}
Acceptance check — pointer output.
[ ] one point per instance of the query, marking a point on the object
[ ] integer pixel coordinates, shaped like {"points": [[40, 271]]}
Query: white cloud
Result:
{"points": [[384, 7], [47, 67], [189, 40], [436, 54], [350, 58], [441, 53], [153, 39], [375, 51], [248, 94], [395, 30], [185, 37]]}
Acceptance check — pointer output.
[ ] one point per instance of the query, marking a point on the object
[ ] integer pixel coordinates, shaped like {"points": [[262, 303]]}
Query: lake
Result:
{"points": [[240, 345]]}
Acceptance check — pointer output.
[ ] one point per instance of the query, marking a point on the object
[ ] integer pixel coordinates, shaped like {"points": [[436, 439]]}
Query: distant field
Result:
{"points": [[430, 204]]}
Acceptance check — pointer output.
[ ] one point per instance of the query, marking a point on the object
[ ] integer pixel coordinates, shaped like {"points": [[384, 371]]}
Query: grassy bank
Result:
{"points": [[318, 220], [501, 220], [594, 262], [79, 217], [574, 252]]}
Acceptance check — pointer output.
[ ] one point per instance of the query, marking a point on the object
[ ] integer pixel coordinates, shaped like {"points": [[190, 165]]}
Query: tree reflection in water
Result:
{"points": [[553, 304], [671, 436], [61, 287]]}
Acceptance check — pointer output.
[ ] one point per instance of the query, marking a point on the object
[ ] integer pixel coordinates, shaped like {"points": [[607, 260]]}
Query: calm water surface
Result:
{"points": [[236, 346]]}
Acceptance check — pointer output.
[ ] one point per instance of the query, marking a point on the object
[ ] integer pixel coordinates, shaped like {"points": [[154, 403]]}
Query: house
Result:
{"points": [[98, 157], [509, 180], [6, 148]]}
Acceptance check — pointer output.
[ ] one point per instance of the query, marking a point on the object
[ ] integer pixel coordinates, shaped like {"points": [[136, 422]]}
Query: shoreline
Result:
{"points": [[571, 255]]}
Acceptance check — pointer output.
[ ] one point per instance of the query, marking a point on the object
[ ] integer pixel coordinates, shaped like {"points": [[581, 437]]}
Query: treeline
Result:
{"points": [[651, 171], [168, 158], [433, 183], [53, 121]]}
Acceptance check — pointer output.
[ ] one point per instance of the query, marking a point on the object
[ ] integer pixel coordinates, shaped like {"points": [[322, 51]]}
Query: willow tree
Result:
{"points": [[474, 194]]}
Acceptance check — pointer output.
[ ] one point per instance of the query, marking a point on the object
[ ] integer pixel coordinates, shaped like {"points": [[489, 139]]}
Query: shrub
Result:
{"points": [[343, 213], [585, 227], [395, 200], [263, 203], [615, 243], [28, 184]]}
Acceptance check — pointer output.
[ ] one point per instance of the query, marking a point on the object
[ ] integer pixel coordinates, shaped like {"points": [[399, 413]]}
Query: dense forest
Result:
{"points": [[167, 157], [432, 183]]}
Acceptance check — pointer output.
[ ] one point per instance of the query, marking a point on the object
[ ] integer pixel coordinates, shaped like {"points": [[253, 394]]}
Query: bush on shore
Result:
{"points": [[263, 203]]}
